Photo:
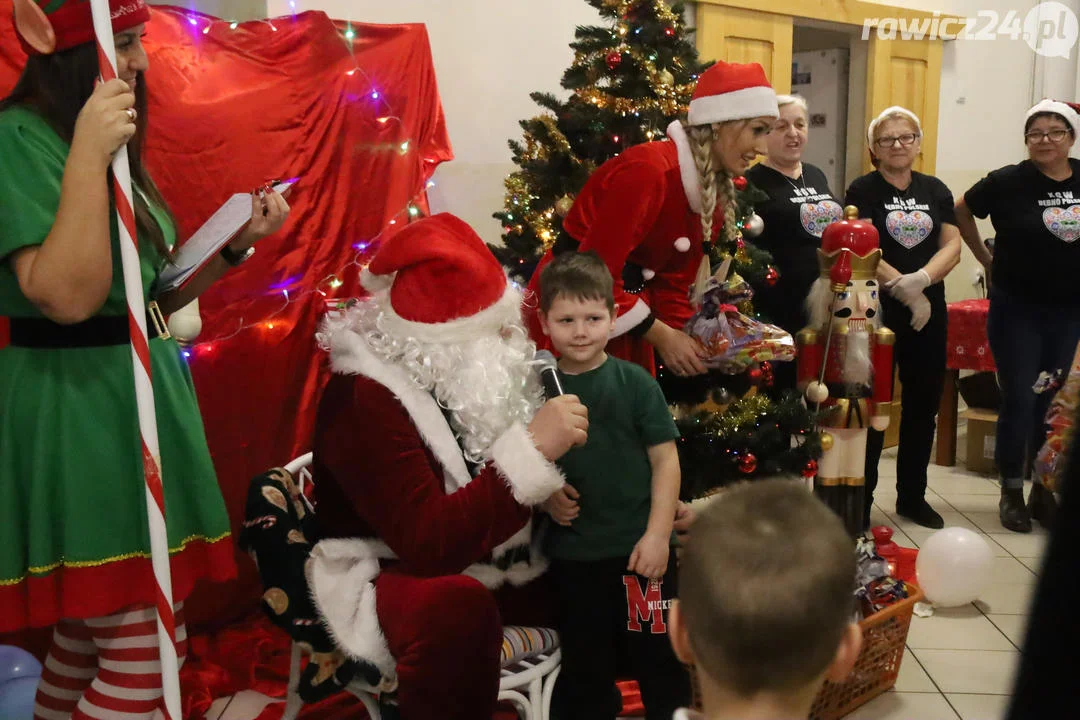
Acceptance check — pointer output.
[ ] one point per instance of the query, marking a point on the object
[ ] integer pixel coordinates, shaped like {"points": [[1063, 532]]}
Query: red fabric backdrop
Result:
{"points": [[230, 109]]}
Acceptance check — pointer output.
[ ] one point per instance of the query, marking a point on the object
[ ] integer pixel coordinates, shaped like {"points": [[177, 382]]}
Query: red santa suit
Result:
{"points": [[641, 209], [414, 541]]}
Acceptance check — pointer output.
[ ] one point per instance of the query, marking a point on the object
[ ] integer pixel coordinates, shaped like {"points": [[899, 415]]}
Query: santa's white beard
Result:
{"points": [[487, 384], [857, 367]]}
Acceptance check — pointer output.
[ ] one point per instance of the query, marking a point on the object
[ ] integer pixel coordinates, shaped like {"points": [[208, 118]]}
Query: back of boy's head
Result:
{"points": [[576, 275], [766, 585]]}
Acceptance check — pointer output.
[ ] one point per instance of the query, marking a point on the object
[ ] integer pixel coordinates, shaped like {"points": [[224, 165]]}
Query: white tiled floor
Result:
{"points": [[959, 663]]}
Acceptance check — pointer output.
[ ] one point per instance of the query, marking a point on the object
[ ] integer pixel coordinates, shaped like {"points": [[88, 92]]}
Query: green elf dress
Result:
{"points": [[74, 541]]}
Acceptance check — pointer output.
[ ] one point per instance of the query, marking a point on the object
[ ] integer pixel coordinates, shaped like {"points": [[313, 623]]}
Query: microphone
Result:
{"points": [[549, 373]]}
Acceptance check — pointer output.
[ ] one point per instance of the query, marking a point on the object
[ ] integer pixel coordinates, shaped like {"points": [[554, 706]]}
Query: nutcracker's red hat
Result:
{"points": [[442, 283], [48, 26], [850, 249]]}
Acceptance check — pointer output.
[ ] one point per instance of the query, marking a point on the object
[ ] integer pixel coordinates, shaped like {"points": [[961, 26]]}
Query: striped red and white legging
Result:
{"points": [[105, 668]]}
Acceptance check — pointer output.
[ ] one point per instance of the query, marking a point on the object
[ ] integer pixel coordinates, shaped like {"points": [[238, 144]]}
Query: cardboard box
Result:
{"points": [[981, 435]]}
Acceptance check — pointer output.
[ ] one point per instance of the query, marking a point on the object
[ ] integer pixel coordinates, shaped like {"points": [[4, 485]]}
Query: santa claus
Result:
{"points": [[432, 444], [845, 362]]}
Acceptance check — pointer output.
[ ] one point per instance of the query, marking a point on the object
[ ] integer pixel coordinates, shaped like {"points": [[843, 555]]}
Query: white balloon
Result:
{"points": [[954, 566]]}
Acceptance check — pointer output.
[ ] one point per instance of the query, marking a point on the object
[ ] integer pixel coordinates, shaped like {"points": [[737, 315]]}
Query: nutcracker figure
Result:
{"points": [[845, 361]]}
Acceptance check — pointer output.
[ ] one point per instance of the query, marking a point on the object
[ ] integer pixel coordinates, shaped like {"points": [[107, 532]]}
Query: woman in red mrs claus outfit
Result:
{"points": [[649, 212]]}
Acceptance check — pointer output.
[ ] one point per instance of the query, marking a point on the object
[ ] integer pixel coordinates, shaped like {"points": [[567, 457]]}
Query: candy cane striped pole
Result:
{"points": [[144, 391]]}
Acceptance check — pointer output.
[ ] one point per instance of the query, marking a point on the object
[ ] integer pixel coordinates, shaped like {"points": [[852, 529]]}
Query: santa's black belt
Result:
{"points": [[99, 331]]}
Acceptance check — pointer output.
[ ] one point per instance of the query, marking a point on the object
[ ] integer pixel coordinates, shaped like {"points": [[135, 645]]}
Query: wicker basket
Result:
{"points": [[884, 638]]}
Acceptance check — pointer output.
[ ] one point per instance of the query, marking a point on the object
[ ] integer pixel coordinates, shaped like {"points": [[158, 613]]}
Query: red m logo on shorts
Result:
{"points": [[648, 607]]}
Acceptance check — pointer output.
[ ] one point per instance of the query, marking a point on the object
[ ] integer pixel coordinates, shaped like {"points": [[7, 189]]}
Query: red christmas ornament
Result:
{"points": [[739, 183], [767, 376], [771, 276], [614, 59], [748, 463], [740, 244], [810, 470], [669, 31], [754, 374]]}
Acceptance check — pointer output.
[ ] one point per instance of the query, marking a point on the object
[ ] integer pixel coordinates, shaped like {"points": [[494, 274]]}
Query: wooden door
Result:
{"points": [[740, 35], [906, 73]]}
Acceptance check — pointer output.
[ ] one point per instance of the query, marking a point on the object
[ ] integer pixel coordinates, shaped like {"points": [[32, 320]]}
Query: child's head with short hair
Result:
{"points": [[766, 597], [577, 308], [577, 276]]}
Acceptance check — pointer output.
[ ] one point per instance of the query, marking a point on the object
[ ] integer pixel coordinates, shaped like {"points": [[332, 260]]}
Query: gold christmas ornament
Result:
{"points": [[666, 78], [826, 441], [563, 205]]}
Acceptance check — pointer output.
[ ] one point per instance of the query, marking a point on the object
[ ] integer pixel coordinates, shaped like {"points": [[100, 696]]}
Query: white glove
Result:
{"points": [[920, 312], [906, 287]]}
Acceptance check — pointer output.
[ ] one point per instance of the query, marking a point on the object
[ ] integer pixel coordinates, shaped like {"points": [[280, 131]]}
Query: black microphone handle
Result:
{"points": [[549, 378]]}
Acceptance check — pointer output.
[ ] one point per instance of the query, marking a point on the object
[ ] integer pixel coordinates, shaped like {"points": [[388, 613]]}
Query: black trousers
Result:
{"points": [[920, 357], [609, 618]]}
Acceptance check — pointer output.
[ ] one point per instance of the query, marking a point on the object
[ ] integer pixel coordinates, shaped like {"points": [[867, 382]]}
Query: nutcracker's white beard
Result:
{"points": [[819, 305], [487, 383]]}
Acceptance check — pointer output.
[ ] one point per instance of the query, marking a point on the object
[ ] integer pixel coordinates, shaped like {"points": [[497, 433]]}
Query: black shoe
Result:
{"points": [[1012, 511], [920, 513], [1042, 506]]}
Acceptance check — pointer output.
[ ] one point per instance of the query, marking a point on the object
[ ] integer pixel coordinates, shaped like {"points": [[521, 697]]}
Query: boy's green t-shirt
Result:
{"points": [[627, 415]]}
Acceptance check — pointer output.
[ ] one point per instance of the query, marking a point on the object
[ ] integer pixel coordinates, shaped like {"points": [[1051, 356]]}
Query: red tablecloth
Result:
{"points": [[968, 347]]}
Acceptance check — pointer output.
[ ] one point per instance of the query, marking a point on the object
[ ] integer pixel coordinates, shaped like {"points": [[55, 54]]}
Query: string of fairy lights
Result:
{"points": [[290, 293]]}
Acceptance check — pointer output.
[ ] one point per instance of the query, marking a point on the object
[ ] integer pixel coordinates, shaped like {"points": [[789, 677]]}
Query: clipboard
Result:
{"points": [[218, 231]]}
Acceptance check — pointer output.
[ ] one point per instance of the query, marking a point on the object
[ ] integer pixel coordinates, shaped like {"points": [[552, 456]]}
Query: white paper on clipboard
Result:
{"points": [[209, 239]]}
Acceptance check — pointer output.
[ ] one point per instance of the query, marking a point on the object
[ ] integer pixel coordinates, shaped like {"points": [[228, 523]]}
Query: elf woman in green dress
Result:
{"points": [[74, 543]]}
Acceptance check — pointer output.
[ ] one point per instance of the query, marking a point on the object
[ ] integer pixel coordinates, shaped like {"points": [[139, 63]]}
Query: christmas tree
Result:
{"points": [[628, 81]]}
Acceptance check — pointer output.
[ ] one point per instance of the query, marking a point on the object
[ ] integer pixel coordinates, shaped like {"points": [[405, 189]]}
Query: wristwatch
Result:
{"points": [[234, 258]]}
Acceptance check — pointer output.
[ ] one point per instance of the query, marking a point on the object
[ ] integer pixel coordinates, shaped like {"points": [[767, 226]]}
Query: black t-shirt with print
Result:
{"points": [[795, 214], [908, 221], [1037, 224]]}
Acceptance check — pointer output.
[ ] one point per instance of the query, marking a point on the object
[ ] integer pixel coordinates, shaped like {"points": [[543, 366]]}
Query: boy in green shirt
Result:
{"points": [[610, 544]]}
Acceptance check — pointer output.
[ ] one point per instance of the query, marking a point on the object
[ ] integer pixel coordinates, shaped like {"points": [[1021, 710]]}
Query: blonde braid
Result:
{"points": [[701, 141], [731, 209]]}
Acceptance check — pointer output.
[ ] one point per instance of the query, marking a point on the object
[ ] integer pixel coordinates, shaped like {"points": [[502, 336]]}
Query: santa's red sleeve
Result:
{"points": [[621, 207], [369, 445]]}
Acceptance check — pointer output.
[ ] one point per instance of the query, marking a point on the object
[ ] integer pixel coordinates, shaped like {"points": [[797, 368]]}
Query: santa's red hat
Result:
{"points": [[48, 26], [441, 282], [731, 91]]}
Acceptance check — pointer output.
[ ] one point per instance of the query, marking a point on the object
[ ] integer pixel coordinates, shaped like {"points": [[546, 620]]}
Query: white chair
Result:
{"points": [[526, 682]]}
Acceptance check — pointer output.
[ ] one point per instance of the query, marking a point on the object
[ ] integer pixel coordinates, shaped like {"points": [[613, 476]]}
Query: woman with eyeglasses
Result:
{"points": [[1034, 322], [920, 244], [799, 207]]}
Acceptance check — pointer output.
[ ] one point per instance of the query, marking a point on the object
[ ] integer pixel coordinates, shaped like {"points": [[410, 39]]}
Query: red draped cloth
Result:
{"points": [[968, 347]]}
